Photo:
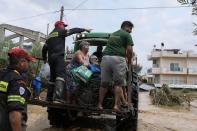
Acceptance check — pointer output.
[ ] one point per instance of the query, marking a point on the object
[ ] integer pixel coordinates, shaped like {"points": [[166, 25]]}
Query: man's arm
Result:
{"points": [[16, 103], [129, 48], [15, 118], [79, 58], [129, 53], [76, 30], [44, 52]]}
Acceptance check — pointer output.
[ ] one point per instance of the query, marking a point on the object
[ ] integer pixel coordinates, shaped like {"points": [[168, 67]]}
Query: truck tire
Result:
{"points": [[130, 123], [61, 117], [135, 101], [58, 117]]}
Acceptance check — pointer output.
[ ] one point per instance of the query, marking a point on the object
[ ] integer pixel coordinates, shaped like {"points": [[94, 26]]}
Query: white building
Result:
{"points": [[173, 67]]}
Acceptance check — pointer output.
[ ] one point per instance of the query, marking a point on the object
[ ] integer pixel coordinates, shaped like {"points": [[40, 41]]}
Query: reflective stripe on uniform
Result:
{"points": [[3, 86], [60, 78], [16, 98], [53, 34]]}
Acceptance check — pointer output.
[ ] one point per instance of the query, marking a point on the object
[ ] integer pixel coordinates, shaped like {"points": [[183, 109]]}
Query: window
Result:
{"points": [[154, 62], [174, 67]]}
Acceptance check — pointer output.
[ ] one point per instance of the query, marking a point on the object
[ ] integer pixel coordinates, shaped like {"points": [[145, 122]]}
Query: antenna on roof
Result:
{"points": [[162, 45], [154, 47]]}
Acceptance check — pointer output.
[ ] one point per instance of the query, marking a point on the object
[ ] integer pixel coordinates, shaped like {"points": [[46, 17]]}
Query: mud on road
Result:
{"points": [[151, 118]]}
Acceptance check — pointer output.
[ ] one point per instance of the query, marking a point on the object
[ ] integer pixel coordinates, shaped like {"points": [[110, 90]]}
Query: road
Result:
{"points": [[151, 118]]}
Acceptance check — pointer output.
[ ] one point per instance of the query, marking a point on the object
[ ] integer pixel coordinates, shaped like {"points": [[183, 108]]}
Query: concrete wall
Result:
{"points": [[165, 62]]}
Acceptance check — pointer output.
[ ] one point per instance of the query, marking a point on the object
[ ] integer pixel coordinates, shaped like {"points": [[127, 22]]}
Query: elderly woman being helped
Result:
{"points": [[80, 57]]}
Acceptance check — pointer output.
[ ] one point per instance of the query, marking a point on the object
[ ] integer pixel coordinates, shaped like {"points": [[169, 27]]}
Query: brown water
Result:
{"points": [[151, 118]]}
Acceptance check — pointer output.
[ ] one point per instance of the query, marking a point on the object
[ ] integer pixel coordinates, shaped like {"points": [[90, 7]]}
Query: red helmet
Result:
{"points": [[20, 53], [60, 23]]}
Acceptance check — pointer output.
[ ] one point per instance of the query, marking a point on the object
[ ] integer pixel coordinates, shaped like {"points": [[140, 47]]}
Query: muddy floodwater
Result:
{"points": [[151, 118]]}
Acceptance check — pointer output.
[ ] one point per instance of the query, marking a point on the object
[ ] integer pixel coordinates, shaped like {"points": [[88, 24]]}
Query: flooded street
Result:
{"points": [[151, 118]]}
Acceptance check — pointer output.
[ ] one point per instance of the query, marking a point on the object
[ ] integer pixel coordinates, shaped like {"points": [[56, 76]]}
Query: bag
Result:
{"points": [[94, 68], [45, 71], [36, 83], [82, 73]]}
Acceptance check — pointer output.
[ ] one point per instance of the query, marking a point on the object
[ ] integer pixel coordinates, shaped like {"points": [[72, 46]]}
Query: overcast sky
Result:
{"points": [[171, 26]]}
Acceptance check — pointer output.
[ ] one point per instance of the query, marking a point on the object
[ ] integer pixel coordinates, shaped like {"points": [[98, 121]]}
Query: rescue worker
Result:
{"points": [[55, 47], [14, 92]]}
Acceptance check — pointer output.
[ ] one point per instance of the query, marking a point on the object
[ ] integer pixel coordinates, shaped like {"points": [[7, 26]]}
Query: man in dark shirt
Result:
{"points": [[14, 92], [99, 53], [55, 46]]}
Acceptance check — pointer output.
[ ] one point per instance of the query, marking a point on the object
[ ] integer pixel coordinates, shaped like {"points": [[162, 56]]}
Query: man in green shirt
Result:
{"points": [[113, 64]]}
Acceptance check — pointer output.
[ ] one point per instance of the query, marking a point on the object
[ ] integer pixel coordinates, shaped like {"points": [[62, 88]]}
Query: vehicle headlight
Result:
{"points": [[82, 35], [78, 35]]}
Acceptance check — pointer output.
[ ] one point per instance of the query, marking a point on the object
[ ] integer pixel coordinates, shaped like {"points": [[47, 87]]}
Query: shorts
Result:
{"points": [[113, 71]]}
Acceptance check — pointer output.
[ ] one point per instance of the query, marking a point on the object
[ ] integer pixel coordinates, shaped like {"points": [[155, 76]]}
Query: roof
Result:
{"points": [[167, 49], [93, 35], [94, 38]]}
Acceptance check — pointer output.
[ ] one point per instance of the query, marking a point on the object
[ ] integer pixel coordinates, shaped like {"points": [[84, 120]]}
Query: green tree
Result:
{"points": [[36, 50], [4, 47], [193, 3]]}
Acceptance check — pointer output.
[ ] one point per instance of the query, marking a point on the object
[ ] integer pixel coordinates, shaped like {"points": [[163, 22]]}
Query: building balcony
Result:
{"points": [[192, 55], [156, 71], [174, 81], [154, 54], [169, 71], [192, 71], [158, 54], [179, 55]]}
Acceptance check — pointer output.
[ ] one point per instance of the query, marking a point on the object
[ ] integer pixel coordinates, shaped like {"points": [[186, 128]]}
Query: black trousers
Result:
{"points": [[4, 118], [57, 67]]}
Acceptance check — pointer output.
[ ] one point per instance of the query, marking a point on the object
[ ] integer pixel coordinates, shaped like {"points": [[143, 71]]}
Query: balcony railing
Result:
{"points": [[167, 54], [191, 54], [157, 54], [169, 71], [155, 65], [156, 71], [192, 70], [178, 82], [154, 54]]}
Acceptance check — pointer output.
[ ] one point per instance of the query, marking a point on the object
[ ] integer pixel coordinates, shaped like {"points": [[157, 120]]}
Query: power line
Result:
{"points": [[76, 8], [80, 4], [133, 8], [29, 17], [96, 9]]}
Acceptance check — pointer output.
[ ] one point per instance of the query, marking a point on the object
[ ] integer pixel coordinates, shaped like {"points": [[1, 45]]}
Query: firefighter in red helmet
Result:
{"points": [[14, 92], [55, 47]]}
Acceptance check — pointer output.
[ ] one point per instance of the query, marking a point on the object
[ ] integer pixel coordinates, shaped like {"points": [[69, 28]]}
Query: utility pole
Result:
{"points": [[47, 29], [62, 13], [136, 60]]}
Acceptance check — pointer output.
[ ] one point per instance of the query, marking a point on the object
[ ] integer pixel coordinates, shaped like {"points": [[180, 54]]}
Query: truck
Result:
{"points": [[85, 109]]}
